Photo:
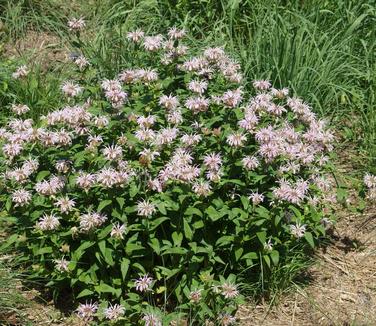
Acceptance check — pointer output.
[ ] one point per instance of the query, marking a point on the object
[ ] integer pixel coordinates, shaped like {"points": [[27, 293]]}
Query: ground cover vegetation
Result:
{"points": [[183, 155]]}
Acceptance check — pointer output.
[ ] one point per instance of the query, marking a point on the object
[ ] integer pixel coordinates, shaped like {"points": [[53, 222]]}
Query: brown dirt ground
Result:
{"points": [[39, 48]]}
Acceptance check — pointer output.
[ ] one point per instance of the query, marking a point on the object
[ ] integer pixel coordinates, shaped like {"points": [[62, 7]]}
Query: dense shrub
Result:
{"points": [[148, 192]]}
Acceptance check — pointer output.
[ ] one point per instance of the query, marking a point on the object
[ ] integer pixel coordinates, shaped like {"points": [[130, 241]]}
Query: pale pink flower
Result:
{"points": [[229, 290], [71, 89], [147, 156], [195, 296], [20, 108], [113, 152], [298, 230], [118, 231], [165, 136], [175, 117], [48, 222], [236, 139], [169, 102], [151, 320], [153, 43], [213, 161], [197, 104], [268, 246], [12, 150], [145, 208], [201, 188], [250, 162], [101, 121], [65, 204], [191, 140], [256, 198], [20, 72], [198, 86], [370, 180], [76, 24], [146, 122], [214, 54], [135, 36], [279, 93], [114, 312], [85, 180], [81, 62], [91, 220], [232, 98], [148, 75], [175, 33], [62, 166], [262, 85], [227, 320], [145, 134], [61, 265], [143, 283], [111, 85], [21, 197], [87, 311], [213, 175]]}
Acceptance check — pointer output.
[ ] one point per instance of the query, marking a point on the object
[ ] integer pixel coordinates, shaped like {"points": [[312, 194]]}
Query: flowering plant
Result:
{"points": [[152, 189]]}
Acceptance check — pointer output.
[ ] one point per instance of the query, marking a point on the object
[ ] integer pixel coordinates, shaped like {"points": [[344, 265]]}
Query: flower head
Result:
{"points": [[143, 283]]}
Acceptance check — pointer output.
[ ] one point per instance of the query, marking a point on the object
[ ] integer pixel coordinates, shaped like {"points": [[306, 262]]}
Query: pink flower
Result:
{"points": [[135, 36], [236, 139], [76, 24], [21, 72], [261, 84], [144, 283], [213, 161]]}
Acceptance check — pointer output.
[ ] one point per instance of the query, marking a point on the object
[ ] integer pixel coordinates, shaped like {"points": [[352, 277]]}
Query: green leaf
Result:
{"points": [[155, 223], [155, 245], [267, 260], [41, 175], [250, 255], [85, 293], [213, 214], [42, 251], [177, 238], [8, 204], [274, 255], [308, 236], [162, 208], [261, 236], [124, 266], [198, 224], [175, 251], [187, 230], [193, 211], [120, 201], [238, 253], [103, 204]]}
